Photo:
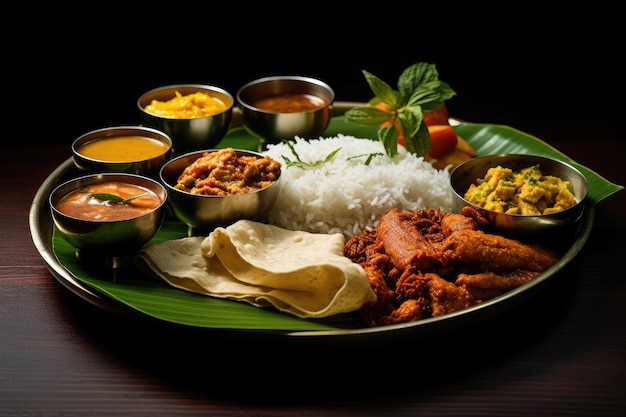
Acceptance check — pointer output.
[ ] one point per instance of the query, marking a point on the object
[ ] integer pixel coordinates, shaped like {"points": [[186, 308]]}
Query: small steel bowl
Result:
{"points": [[108, 244], [523, 226], [188, 134], [141, 165], [203, 213], [272, 127]]}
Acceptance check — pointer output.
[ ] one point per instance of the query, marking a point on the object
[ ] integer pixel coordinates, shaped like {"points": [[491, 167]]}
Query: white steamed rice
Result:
{"points": [[346, 195]]}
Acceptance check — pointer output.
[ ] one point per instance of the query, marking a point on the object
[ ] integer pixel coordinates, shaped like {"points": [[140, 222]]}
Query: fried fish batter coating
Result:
{"points": [[438, 295], [410, 310], [496, 253], [487, 285], [414, 239], [417, 296], [405, 244], [372, 314]]}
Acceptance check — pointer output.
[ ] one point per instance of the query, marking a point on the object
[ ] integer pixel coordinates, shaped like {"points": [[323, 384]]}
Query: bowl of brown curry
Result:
{"points": [[217, 187], [281, 107]]}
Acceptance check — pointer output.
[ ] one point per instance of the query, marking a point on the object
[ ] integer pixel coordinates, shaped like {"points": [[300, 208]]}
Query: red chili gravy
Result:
{"points": [[290, 103]]}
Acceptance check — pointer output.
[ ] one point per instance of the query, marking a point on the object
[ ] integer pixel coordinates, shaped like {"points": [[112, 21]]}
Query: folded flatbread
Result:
{"points": [[301, 273]]}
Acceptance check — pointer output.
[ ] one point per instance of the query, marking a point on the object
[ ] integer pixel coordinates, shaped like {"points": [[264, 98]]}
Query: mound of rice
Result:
{"points": [[346, 195]]}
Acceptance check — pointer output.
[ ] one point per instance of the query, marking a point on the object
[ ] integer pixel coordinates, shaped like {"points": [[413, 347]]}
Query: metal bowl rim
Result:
{"points": [[206, 87], [304, 79]]}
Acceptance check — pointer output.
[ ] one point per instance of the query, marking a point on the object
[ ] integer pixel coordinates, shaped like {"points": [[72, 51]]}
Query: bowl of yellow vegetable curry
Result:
{"points": [[525, 195]]}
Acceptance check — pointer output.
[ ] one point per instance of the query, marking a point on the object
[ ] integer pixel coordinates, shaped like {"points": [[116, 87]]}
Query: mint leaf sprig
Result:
{"points": [[419, 92]]}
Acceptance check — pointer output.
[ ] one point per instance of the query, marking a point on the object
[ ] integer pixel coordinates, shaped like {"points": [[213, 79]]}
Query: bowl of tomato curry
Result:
{"points": [[107, 217]]}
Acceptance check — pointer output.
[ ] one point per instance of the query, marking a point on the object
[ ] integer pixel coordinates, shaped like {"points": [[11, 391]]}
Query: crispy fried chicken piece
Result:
{"points": [[452, 222], [371, 313], [496, 253], [417, 296], [474, 214], [355, 248], [407, 303], [487, 285], [445, 297], [410, 310]]}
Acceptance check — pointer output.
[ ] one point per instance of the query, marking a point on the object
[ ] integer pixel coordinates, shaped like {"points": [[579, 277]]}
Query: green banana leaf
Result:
{"points": [[158, 300]]}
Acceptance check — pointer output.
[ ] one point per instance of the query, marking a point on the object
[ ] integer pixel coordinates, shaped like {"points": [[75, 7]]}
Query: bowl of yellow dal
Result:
{"points": [[124, 149], [519, 194]]}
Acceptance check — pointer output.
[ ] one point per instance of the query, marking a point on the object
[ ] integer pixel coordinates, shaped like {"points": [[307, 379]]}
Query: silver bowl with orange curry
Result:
{"points": [[107, 217]]}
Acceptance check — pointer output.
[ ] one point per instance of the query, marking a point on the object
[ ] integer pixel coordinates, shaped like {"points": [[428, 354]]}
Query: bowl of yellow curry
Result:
{"points": [[130, 149], [524, 195], [195, 116]]}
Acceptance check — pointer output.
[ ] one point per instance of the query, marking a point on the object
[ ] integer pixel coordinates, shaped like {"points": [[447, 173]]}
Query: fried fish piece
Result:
{"points": [[406, 244], [487, 285], [428, 263], [497, 253]]}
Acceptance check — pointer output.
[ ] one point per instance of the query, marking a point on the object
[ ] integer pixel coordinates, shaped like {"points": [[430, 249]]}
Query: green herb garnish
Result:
{"points": [[306, 165], [115, 198], [370, 156], [419, 91]]}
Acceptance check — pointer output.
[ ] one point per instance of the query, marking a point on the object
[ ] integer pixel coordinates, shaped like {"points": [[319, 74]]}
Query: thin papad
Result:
{"points": [[301, 273]]}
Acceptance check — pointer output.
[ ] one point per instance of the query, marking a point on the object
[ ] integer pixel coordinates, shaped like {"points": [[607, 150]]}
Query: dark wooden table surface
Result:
{"points": [[560, 353]]}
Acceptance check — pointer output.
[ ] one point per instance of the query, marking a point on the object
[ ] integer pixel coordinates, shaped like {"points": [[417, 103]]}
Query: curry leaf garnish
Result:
{"points": [[370, 156], [115, 198], [302, 164], [420, 91]]}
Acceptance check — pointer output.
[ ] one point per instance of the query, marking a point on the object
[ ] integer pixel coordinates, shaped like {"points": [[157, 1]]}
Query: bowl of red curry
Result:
{"points": [[217, 187], [107, 217], [281, 107]]}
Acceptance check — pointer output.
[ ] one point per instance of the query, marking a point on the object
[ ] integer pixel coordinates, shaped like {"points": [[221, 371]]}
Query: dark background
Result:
{"points": [[555, 76]]}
